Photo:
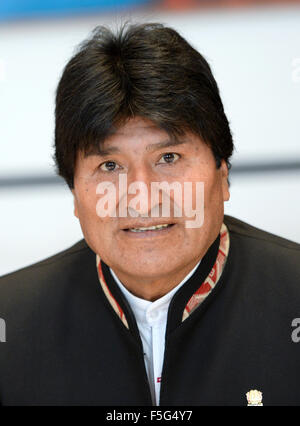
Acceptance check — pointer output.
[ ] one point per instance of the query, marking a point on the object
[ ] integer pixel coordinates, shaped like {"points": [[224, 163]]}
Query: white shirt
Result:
{"points": [[151, 318]]}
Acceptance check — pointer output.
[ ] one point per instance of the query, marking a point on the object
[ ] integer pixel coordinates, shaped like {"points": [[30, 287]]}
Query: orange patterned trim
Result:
{"points": [[110, 297], [213, 277]]}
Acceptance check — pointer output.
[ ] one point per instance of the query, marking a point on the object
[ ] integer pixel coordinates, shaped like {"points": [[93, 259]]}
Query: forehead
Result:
{"points": [[136, 129], [137, 125], [141, 133]]}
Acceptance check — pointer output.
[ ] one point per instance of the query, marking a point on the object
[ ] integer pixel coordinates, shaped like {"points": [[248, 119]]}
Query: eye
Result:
{"points": [[168, 158], [108, 166]]}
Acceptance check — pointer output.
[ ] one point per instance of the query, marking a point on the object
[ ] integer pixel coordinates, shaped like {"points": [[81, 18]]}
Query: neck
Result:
{"points": [[155, 287]]}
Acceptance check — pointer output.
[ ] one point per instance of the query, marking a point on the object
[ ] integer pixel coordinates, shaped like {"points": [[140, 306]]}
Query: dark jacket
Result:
{"points": [[66, 345]]}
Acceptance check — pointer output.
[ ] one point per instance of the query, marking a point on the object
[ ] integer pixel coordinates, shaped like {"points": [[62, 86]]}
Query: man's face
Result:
{"points": [[142, 152]]}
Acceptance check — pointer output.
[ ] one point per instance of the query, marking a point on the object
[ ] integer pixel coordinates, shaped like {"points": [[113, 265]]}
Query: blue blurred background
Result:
{"points": [[254, 51], [12, 9]]}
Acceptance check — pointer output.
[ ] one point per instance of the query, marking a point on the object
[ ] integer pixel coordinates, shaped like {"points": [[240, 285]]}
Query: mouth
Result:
{"points": [[150, 228], [159, 229]]}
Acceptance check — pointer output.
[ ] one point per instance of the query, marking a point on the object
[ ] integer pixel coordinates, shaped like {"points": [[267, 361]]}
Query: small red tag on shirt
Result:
{"points": [[158, 379]]}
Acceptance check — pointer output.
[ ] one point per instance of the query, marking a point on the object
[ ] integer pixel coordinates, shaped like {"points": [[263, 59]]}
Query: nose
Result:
{"points": [[141, 173], [139, 198]]}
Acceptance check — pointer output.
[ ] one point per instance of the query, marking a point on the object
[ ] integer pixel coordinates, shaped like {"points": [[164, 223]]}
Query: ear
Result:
{"points": [[224, 177], [75, 203]]}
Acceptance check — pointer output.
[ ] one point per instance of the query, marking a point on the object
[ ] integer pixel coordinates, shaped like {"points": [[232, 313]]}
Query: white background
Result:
{"points": [[255, 56]]}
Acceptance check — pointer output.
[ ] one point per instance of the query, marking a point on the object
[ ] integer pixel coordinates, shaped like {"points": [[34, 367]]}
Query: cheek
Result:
{"points": [[86, 201], [96, 230], [206, 183], [213, 190]]}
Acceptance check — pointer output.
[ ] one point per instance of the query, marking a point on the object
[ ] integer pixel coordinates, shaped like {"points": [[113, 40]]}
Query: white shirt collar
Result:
{"points": [[146, 311]]}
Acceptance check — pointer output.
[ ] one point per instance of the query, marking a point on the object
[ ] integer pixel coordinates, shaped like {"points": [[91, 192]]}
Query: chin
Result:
{"points": [[149, 268]]}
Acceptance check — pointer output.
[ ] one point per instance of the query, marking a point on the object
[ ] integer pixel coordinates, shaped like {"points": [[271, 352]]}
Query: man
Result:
{"points": [[184, 308]]}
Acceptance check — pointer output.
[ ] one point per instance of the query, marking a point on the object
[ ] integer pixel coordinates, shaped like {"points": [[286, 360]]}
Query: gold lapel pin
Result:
{"points": [[254, 398]]}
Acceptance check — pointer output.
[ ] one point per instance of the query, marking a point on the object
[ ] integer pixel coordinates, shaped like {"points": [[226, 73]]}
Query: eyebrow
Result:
{"points": [[101, 151], [165, 144], [151, 147]]}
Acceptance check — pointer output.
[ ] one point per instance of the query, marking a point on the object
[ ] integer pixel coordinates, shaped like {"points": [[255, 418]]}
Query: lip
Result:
{"points": [[142, 224], [149, 234]]}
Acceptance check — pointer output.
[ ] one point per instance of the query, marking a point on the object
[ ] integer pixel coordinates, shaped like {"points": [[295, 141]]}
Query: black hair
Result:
{"points": [[145, 70]]}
